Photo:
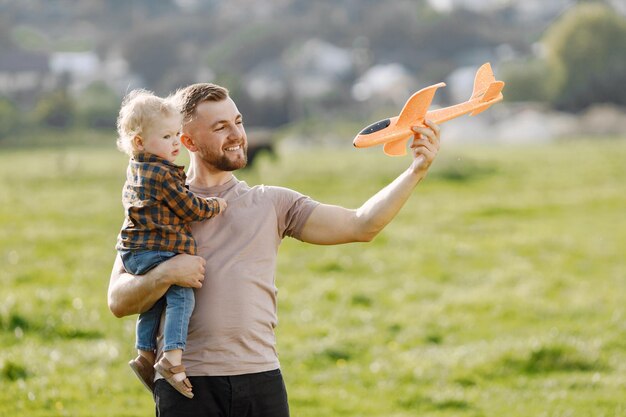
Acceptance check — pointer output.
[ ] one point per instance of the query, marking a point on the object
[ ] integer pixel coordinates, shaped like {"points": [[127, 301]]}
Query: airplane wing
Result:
{"points": [[416, 107], [396, 147]]}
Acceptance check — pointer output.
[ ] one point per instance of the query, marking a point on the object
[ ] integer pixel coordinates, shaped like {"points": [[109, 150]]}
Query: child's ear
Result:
{"points": [[187, 140], [138, 143]]}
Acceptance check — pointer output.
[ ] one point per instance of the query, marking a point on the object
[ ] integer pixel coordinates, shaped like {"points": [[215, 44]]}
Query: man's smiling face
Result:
{"points": [[217, 131]]}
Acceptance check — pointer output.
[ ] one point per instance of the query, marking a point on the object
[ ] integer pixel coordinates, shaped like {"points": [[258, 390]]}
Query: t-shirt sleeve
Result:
{"points": [[293, 210]]}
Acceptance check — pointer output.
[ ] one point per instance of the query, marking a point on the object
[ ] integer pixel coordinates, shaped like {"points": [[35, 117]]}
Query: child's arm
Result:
{"points": [[132, 294], [186, 205]]}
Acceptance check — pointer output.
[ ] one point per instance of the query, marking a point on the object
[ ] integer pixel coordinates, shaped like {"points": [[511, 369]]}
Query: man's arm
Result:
{"points": [[329, 225], [132, 294]]}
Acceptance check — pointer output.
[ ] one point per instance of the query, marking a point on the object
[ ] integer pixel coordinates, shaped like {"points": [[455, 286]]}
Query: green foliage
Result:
{"points": [[587, 54], [463, 169], [554, 359], [94, 109], [29, 38], [97, 107], [9, 118], [6, 43], [12, 371], [49, 328], [239, 51], [491, 294], [528, 80], [55, 109], [152, 51], [35, 136]]}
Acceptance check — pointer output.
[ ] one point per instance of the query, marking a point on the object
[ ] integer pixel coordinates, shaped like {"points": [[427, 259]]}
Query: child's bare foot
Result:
{"points": [[175, 376]]}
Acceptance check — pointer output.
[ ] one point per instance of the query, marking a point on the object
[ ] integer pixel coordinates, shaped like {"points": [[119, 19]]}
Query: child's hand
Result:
{"points": [[223, 203]]}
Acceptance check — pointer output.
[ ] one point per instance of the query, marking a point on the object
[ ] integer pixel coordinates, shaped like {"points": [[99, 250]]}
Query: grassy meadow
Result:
{"points": [[500, 289]]}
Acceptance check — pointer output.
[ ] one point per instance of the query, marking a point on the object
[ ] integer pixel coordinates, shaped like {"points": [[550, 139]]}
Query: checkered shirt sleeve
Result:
{"points": [[159, 207]]}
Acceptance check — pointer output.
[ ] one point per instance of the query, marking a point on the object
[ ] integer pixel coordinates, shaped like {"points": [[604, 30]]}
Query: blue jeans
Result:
{"points": [[178, 303]]}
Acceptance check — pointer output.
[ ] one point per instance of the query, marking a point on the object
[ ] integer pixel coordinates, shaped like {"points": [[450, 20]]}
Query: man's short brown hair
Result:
{"points": [[189, 97]]}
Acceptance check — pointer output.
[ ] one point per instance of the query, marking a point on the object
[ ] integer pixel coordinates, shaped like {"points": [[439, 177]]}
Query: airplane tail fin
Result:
{"points": [[486, 89], [484, 77], [492, 96]]}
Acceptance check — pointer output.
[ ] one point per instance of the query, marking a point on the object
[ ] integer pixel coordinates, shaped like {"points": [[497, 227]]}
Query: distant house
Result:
{"points": [[525, 10], [81, 67], [24, 72], [85, 68], [115, 73], [266, 81], [74, 63], [390, 83], [320, 68]]}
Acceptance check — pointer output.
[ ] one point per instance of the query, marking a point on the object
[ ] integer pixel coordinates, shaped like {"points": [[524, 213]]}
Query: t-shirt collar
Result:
{"points": [[216, 189]]}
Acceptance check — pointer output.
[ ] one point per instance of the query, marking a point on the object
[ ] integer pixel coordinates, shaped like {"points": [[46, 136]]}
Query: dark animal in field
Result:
{"points": [[259, 142]]}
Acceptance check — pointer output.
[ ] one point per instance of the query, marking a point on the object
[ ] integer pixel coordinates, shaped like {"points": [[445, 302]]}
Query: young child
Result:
{"points": [[158, 209]]}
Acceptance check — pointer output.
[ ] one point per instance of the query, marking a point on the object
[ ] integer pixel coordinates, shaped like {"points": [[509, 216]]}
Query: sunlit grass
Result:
{"points": [[498, 290]]}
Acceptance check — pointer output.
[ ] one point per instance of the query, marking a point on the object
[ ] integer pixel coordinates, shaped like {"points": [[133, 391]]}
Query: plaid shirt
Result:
{"points": [[159, 207]]}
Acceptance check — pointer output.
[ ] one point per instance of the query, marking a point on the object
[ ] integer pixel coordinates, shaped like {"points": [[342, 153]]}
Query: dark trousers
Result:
{"points": [[251, 395]]}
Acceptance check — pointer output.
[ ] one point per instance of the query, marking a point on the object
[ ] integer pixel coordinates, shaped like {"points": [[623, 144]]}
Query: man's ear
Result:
{"points": [[138, 143], [188, 142]]}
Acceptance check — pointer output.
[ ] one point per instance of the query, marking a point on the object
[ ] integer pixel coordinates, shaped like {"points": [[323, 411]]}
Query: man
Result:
{"points": [[230, 356]]}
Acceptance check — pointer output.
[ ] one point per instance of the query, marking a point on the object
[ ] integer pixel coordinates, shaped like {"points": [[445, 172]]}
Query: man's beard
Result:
{"points": [[222, 162]]}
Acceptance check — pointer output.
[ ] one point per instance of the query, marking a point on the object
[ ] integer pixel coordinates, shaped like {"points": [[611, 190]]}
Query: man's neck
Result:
{"points": [[200, 176]]}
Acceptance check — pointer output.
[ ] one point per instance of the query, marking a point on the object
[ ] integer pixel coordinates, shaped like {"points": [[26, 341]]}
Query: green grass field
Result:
{"points": [[498, 291]]}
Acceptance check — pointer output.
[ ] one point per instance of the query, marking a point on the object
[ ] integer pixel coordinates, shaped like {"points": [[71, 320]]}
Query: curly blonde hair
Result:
{"points": [[140, 108]]}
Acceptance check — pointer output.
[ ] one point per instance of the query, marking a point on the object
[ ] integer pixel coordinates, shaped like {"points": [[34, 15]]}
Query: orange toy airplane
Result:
{"points": [[394, 132]]}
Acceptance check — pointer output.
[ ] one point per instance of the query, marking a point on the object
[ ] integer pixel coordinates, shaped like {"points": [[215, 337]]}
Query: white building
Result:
{"points": [[22, 71], [388, 82]]}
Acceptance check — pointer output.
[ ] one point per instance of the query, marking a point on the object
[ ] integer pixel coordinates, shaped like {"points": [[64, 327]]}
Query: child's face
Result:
{"points": [[162, 138]]}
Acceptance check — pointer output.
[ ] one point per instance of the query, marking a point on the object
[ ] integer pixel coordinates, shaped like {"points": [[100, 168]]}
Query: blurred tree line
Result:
{"points": [[582, 61], [96, 107], [579, 60]]}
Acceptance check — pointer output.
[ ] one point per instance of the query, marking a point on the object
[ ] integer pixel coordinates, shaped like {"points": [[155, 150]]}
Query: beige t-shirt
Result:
{"points": [[231, 330]]}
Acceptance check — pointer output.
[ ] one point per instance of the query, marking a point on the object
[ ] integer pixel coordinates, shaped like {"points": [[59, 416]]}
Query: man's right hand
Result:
{"points": [[183, 270], [132, 294]]}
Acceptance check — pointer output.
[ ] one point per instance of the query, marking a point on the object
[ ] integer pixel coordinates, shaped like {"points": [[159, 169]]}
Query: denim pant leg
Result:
{"points": [[148, 326], [140, 262], [180, 304]]}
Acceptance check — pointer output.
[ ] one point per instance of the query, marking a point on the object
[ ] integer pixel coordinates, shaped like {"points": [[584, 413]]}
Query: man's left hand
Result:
{"points": [[425, 146]]}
